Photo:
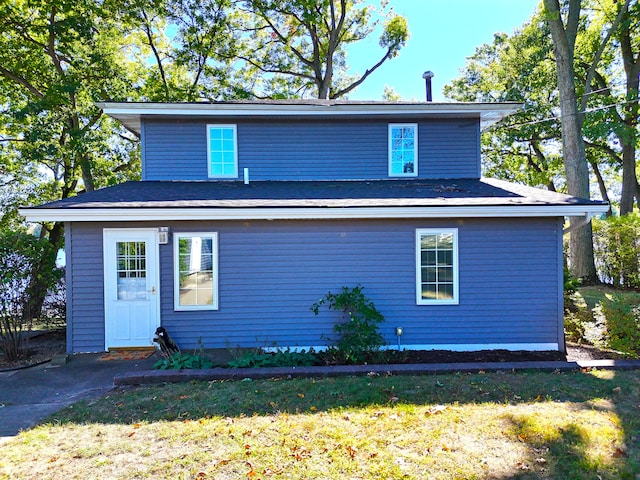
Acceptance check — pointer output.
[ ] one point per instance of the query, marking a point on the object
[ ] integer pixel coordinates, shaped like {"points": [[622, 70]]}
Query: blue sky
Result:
{"points": [[443, 34]]}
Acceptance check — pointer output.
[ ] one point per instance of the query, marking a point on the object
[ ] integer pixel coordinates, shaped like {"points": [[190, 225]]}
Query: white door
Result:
{"points": [[130, 287]]}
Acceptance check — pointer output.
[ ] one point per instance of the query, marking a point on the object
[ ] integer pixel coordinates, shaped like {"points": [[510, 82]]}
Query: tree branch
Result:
{"points": [[21, 81], [346, 90]]}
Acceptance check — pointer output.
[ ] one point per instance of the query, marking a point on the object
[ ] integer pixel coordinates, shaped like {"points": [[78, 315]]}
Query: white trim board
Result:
{"points": [[302, 213], [452, 347], [130, 114]]}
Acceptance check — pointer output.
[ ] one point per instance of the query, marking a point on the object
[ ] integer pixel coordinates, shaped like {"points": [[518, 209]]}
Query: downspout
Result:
{"points": [[584, 221]]}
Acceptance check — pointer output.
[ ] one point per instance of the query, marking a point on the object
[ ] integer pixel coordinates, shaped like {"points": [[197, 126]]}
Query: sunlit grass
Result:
{"points": [[499, 425]]}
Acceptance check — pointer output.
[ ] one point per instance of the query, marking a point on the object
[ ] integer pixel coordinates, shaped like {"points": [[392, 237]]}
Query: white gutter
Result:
{"points": [[317, 213]]}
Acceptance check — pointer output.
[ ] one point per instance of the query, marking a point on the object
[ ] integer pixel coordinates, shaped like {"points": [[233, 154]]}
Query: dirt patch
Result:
{"points": [[41, 347]]}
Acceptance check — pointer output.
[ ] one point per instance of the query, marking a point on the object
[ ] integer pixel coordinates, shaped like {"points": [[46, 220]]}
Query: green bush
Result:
{"points": [[281, 358], [183, 361], [622, 331], [358, 334], [616, 242]]}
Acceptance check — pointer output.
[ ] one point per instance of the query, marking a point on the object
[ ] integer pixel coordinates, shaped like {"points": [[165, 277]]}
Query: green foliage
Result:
{"points": [[26, 263], [622, 325], [183, 361], [296, 48], [617, 249], [281, 358], [606, 318], [358, 334]]}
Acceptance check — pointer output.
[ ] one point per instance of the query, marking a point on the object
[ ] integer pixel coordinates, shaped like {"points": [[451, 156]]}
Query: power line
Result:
{"points": [[588, 110]]}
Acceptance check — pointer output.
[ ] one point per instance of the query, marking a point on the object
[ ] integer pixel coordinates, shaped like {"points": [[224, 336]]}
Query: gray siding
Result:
{"points": [[270, 273], [311, 150]]}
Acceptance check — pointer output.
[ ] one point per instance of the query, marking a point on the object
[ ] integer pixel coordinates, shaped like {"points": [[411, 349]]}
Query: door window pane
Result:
{"points": [[131, 270]]}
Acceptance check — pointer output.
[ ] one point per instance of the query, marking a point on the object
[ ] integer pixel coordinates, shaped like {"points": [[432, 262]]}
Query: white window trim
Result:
{"points": [[432, 231], [415, 149], [176, 270], [235, 149]]}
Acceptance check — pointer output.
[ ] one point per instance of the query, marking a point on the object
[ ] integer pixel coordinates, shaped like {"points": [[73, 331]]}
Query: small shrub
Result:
{"points": [[622, 325], [22, 257], [281, 358], [358, 334], [183, 361]]}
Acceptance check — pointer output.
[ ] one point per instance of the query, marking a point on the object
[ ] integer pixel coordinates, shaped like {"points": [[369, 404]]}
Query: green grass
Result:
{"points": [[525, 425]]}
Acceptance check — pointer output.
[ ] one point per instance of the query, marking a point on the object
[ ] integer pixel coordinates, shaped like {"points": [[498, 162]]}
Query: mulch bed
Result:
{"points": [[43, 346]]}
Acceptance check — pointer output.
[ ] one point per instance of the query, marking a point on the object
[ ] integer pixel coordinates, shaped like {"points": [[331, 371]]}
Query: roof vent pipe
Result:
{"points": [[428, 75]]}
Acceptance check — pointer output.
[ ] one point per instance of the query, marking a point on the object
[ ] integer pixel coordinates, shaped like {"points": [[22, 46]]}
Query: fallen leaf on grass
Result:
{"points": [[619, 453], [351, 451], [301, 395]]}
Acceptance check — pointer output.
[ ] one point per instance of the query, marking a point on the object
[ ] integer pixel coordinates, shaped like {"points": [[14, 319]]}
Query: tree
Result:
{"points": [[56, 60], [573, 150], [187, 46], [297, 46], [518, 67]]}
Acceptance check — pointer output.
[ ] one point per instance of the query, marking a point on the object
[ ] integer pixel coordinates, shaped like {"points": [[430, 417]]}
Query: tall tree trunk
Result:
{"points": [[629, 136], [581, 260]]}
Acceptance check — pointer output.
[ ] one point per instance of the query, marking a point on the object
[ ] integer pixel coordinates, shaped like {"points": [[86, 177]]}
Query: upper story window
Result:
{"points": [[437, 266], [403, 150], [222, 150]]}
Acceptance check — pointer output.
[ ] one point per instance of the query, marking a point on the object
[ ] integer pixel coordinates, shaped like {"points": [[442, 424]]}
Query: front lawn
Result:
{"points": [[494, 425]]}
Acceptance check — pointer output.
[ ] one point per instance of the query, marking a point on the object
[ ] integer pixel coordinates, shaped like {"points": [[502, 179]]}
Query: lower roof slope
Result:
{"points": [[147, 200]]}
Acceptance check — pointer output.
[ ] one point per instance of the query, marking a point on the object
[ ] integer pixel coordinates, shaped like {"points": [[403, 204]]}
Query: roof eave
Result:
{"points": [[301, 213], [130, 114]]}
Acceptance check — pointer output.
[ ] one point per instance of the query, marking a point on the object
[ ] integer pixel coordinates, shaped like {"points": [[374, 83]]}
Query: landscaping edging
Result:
{"points": [[177, 376]]}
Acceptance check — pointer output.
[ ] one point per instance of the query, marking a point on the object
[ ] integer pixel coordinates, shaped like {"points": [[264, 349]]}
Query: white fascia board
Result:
{"points": [[130, 114], [164, 214], [287, 109]]}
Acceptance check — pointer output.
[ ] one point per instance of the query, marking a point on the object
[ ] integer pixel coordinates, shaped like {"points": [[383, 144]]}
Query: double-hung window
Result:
{"points": [[403, 150], [195, 271], [222, 151], [437, 266]]}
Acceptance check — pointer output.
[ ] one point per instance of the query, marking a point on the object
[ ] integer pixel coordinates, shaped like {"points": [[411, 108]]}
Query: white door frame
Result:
{"points": [[109, 237]]}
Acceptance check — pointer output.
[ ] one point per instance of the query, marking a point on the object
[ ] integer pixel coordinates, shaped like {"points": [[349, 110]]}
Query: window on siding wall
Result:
{"points": [[403, 150], [196, 271], [222, 150], [437, 266]]}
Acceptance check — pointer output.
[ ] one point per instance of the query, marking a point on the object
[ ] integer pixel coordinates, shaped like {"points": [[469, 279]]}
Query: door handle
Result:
{"points": [[153, 290]]}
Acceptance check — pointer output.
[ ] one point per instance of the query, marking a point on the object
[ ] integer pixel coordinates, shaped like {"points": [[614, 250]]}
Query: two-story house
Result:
{"points": [[249, 212]]}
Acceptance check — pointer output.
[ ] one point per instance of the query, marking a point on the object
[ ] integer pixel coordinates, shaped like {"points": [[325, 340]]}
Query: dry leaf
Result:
{"points": [[351, 451]]}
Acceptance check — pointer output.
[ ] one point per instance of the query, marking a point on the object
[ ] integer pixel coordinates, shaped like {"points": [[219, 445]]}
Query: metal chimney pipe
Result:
{"points": [[428, 75]]}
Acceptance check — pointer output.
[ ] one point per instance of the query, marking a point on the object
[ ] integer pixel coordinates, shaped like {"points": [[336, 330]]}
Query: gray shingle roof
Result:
{"points": [[372, 193]]}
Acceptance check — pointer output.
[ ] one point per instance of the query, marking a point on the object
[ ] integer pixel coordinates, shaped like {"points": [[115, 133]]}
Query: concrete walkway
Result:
{"points": [[27, 396], [30, 395]]}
